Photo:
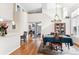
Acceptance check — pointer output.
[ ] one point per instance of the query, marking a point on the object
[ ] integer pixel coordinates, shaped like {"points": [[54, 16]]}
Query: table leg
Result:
{"points": [[68, 46], [44, 43], [61, 47]]}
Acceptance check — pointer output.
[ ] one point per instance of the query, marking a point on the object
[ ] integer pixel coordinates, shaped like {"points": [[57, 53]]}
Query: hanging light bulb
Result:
{"points": [[1, 19], [56, 15], [13, 23]]}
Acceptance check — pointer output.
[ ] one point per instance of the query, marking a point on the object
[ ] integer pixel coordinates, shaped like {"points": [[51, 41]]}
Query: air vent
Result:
{"points": [[39, 10], [67, 17]]}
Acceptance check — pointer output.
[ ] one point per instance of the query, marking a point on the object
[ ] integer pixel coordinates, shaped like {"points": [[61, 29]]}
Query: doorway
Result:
{"points": [[36, 29]]}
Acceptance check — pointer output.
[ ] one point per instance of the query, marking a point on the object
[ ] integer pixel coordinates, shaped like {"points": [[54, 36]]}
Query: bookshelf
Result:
{"points": [[60, 28]]}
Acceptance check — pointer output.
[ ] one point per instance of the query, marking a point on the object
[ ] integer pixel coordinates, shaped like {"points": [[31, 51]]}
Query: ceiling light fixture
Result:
{"points": [[56, 17], [13, 23], [1, 19]]}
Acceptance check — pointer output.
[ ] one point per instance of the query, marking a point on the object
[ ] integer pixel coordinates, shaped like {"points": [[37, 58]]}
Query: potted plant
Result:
{"points": [[2, 33], [3, 28]]}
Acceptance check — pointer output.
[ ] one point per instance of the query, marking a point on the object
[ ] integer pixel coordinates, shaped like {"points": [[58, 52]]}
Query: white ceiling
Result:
{"points": [[29, 7]]}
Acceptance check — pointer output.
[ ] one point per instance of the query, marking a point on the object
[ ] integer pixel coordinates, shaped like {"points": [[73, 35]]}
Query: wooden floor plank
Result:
{"points": [[28, 48]]}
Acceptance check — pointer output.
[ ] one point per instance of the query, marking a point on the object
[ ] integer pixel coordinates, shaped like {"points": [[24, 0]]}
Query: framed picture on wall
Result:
{"points": [[75, 29], [33, 25], [13, 26]]}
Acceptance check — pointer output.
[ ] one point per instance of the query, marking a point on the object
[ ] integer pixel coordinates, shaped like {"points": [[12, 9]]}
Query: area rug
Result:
{"points": [[47, 51]]}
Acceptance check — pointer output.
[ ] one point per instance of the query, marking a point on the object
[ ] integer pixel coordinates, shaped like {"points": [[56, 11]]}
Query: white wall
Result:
{"points": [[6, 11], [21, 22], [66, 21], [47, 25], [9, 30], [52, 12], [67, 26], [48, 14], [75, 20], [12, 40], [9, 43]]}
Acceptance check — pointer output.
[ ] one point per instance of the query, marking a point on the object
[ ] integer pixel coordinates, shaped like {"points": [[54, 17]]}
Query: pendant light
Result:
{"points": [[56, 17]]}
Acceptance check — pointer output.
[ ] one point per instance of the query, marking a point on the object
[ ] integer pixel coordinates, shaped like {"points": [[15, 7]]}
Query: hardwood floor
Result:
{"points": [[77, 45], [28, 48]]}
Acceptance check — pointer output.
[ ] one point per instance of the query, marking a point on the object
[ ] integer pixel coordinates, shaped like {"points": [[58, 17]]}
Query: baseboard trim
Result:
{"points": [[13, 50]]}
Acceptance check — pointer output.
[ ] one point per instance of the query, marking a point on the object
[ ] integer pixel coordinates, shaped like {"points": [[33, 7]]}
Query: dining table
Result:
{"points": [[62, 39]]}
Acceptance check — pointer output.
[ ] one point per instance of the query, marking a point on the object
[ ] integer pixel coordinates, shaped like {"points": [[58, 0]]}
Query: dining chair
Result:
{"points": [[67, 44], [56, 45], [52, 33], [24, 36], [67, 35]]}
